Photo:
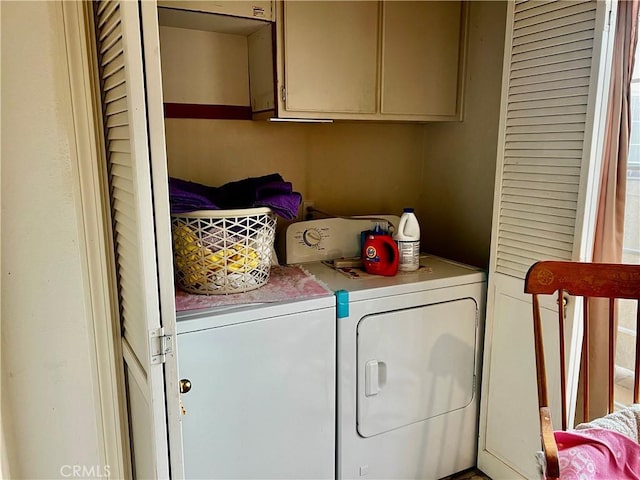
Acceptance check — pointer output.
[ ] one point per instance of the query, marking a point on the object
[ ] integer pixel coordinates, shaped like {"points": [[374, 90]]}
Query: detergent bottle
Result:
{"points": [[380, 255], [408, 238]]}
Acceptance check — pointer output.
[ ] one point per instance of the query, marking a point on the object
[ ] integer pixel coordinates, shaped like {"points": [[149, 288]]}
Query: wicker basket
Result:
{"points": [[223, 251]]}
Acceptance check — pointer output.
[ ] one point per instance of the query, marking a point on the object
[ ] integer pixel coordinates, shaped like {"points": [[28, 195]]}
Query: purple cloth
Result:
{"points": [[280, 197], [189, 196], [266, 191]]}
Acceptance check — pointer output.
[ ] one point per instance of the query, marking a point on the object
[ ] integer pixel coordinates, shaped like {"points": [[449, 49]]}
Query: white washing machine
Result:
{"points": [[408, 358], [262, 398]]}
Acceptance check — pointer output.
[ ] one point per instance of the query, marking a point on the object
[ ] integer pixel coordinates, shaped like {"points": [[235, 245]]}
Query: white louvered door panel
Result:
{"points": [[556, 54], [120, 58], [547, 104]]}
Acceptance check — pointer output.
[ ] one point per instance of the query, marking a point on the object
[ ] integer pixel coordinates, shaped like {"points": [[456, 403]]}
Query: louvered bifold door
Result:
{"points": [[555, 60], [547, 108], [118, 33]]}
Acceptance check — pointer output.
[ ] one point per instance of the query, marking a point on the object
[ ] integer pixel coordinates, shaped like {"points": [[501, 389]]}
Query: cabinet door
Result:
{"points": [[420, 57], [330, 56]]}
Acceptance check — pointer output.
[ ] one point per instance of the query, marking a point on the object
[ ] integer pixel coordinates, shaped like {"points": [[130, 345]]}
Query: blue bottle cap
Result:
{"points": [[408, 210]]}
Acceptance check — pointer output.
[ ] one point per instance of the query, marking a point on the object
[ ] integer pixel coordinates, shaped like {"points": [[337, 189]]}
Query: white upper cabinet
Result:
{"points": [[364, 60], [420, 58], [330, 55], [370, 60]]}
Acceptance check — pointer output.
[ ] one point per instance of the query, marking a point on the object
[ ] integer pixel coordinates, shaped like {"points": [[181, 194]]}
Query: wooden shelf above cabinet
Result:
{"points": [[194, 110]]}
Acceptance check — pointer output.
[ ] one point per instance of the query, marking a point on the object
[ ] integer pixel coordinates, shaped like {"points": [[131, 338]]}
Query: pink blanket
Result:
{"points": [[598, 454], [285, 283]]}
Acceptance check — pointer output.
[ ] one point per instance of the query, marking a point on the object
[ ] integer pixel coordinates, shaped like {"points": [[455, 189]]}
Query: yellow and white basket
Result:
{"points": [[223, 251]]}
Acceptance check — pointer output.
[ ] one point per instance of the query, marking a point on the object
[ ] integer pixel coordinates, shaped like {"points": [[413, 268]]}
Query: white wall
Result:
{"points": [[48, 399]]}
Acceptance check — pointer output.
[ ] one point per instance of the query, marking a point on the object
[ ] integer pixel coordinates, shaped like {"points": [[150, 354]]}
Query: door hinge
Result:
{"points": [[160, 345], [283, 93]]}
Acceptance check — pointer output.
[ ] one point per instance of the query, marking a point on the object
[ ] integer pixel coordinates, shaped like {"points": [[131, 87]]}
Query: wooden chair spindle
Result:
{"points": [[636, 371], [612, 353]]}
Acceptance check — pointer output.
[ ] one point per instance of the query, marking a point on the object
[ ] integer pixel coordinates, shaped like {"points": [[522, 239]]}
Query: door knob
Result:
{"points": [[185, 385]]}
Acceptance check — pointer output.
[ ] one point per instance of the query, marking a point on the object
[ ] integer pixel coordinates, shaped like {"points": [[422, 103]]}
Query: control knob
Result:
{"points": [[312, 237]]}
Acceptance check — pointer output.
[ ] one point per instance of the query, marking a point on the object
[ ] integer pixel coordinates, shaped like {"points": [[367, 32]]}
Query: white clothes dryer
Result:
{"points": [[408, 359]]}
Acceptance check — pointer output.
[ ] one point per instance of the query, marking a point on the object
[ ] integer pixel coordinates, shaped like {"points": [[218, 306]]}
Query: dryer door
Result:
{"points": [[414, 364]]}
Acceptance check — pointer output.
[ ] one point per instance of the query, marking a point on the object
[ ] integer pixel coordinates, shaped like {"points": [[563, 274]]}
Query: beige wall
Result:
{"points": [[218, 151], [343, 167], [49, 406], [460, 158], [444, 170], [365, 168]]}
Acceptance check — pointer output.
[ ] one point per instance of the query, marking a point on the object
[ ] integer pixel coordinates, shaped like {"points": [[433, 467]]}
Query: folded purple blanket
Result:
{"points": [[266, 191], [187, 196]]}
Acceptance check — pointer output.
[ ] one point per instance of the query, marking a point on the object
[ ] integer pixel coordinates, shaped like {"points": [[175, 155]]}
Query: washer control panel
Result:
{"points": [[329, 238]]}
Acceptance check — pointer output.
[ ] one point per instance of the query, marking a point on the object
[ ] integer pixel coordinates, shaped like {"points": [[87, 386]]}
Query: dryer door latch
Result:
{"points": [[375, 377]]}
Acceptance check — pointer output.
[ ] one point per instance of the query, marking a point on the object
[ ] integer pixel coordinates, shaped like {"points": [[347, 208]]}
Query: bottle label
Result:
{"points": [[371, 253], [409, 253]]}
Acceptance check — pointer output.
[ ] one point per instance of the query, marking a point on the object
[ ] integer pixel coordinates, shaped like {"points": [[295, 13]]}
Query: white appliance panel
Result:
{"points": [[329, 238], [429, 449], [437, 273], [262, 402], [396, 420], [415, 364]]}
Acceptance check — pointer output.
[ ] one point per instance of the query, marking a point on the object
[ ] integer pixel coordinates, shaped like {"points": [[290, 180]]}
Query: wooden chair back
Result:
{"points": [[587, 280]]}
